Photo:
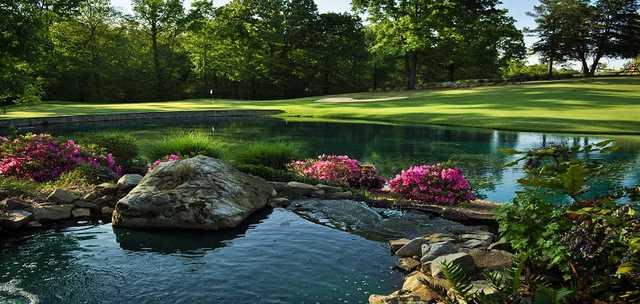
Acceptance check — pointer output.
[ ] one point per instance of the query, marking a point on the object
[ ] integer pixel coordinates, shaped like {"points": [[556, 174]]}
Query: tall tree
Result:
{"points": [[24, 43], [587, 31], [548, 30], [159, 17], [404, 28]]}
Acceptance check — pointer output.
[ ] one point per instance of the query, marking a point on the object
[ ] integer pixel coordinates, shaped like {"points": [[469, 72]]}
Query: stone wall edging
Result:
{"points": [[55, 120]]}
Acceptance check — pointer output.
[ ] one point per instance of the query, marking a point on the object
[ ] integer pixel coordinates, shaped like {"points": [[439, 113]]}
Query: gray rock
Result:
{"points": [[329, 189], [85, 204], [341, 195], [107, 211], [62, 196], [491, 260], [129, 181], [413, 248], [200, 193], [52, 212], [302, 186], [501, 245], [483, 287], [278, 186], [318, 193], [375, 224], [92, 196], [394, 245], [486, 237], [473, 243], [15, 219], [14, 203], [81, 212], [279, 202], [106, 200], [464, 260], [407, 265], [398, 297], [432, 251], [107, 188]]}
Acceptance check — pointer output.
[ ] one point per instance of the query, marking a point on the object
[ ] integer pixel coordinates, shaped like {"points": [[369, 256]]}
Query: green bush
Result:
{"points": [[186, 144], [85, 175], [274, 175], [10, 186], [122, 146], [273, 155]]}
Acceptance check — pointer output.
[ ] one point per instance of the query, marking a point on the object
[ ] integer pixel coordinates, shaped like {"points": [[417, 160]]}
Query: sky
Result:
{"points": [[517, 9]]}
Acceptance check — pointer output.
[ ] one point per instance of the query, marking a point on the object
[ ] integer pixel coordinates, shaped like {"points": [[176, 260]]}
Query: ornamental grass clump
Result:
{"points": [[42, 158], [436, 184], [187, 144], [340, 170]]}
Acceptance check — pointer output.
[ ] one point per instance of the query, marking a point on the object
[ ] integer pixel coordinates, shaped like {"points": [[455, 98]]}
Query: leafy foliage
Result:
{"points": [[122, 146], [273, 155], [591, 244], [185, 144]]}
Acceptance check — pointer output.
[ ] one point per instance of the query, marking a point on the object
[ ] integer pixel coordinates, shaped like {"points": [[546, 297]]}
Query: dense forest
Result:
{"points": [[85, 50]]}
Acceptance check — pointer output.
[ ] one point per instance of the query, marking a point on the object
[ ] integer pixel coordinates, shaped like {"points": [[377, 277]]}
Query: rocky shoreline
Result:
{"points": [[421, 236]]}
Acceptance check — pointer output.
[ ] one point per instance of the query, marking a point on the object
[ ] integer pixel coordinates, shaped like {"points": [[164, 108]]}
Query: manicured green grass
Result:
{"points": [[603, 105]]}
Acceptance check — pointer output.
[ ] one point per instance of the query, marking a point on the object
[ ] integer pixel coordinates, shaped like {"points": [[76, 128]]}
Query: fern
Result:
{"points": [[460, 282]]}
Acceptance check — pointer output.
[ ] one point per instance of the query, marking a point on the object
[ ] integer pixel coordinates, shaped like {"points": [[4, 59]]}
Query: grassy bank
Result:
{"points": [[606, 106]]}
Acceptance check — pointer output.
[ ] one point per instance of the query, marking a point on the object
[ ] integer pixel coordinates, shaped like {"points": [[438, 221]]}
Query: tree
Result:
{"points": [[587, 31], [24, 42], [159, 17], [549, 23], [403, 28]]}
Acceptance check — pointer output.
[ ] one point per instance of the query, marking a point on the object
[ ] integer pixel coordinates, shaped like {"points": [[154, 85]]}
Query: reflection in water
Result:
{"points": [[393, 148], [185, 243], [277, 258]]}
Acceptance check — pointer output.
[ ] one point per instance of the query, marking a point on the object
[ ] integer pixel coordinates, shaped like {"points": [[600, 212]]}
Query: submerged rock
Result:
{"points": [[376, 224], [196, 193]]}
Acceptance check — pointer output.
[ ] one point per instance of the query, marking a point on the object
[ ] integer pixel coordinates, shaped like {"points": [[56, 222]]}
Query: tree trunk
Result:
{"points": [[326, 83], [585, 68], [412, 70], [156, 58], [451, 70], [550, 69], [375, 77], [594, 65]]}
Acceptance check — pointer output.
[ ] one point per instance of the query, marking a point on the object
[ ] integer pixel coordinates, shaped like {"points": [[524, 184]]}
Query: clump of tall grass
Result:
{"points": [[275, 155], [186, 144]]}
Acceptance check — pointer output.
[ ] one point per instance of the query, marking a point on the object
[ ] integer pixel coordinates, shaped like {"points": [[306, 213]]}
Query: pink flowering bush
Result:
{"points": [[340, 170], [432, 183], [41, 158], [168, 158]]}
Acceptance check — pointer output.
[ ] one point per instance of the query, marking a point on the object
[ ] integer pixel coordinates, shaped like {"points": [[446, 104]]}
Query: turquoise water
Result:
{"points": [[277, 257], [393, 148]]}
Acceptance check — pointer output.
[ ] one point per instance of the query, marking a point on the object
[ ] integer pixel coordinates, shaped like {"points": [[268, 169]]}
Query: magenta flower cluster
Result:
{"points": [[168, 158], [341, 170], [41, 158], [436, 184]]}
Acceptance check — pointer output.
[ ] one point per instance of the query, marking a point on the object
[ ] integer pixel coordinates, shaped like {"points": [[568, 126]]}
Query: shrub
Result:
{"points": [[84, 175], [185, 144], [340, 170], [432, 183], [42, 158], [272, 155], [11, 186], [275, 175], [122, 146]]}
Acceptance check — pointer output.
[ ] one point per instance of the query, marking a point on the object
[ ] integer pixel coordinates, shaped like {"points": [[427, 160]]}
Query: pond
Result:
{"points": [[276, 257], [392, 148]]}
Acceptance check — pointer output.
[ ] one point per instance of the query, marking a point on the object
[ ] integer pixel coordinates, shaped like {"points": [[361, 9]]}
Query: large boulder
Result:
{"points": [[198, 193]]}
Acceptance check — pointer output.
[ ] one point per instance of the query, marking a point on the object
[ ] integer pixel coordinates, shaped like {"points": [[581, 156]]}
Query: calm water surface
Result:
{"points": [[392, 148], [276, 258]]}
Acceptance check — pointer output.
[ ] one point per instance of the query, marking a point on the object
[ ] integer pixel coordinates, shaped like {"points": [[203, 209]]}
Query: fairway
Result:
{"points": [[603, 105]]}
